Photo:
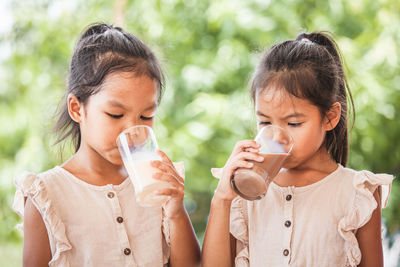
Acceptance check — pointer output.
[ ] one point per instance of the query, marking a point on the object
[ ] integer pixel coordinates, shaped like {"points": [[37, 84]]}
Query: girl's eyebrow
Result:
{"points": [[116, 104], [120, 105], [293, 115], [151, 107], [261, 114]]}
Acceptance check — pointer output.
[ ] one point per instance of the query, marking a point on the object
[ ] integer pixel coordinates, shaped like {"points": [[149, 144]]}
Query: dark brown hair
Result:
{"points": [[103, 49], [310, 67]]}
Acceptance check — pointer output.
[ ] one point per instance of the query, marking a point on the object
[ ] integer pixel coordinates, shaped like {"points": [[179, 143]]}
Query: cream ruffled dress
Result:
{"points": [[314, 225], [92, 225]]}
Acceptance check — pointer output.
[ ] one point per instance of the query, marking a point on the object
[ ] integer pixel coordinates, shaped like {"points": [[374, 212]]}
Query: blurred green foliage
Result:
{"points": [[209, 49]]}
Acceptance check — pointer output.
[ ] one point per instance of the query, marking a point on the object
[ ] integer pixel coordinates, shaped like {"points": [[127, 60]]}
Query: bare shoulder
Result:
{"points": [[36, 250]]}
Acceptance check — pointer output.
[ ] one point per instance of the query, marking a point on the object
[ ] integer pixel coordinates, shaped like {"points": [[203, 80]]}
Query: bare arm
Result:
{"points": [[185, 250], [219, 246], [369, 238], [36, 250]]}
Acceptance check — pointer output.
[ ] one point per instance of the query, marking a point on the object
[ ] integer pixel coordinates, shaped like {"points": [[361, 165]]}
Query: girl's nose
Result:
{"points": [[280, 137], [131, 123], [284, 139]]}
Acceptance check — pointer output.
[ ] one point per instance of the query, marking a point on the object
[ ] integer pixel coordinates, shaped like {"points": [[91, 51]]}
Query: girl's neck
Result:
{"points": [[308, 172], [87, 165]]}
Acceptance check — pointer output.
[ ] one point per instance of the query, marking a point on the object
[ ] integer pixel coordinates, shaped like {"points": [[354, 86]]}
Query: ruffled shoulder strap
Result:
{"points": [[24, 184], [239, 230], [32, 186], [365, 184]]}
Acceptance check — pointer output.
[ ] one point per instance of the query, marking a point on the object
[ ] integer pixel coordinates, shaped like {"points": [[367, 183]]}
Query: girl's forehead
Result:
{"points": [[280, 101], [128, 88], [125, 81], [274, 97]]}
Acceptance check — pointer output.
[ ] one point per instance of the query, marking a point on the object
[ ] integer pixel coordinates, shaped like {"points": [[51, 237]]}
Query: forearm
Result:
{"points": [[185, 250], [216, 245]]}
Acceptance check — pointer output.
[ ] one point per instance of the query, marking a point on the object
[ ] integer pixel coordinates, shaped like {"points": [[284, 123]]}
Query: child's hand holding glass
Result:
{"points": [[168, 173], [243, 153]]}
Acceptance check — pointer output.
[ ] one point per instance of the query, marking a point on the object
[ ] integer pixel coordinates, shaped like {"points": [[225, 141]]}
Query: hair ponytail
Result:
{"points": [[337, 140], [315, 60]]}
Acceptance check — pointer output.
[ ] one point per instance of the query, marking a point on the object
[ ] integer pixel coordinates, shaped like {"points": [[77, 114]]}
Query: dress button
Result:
{"points": [[127, 251], [288, 223], [110, 194], [288, 197], [120, 219], [286, 252]]}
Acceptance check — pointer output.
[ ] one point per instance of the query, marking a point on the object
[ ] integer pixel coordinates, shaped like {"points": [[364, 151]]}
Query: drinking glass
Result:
{"points": [[276, 145], [137, 146]]}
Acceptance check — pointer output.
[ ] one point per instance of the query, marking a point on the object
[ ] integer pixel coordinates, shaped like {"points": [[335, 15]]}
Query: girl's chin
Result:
{"points": [[289, 165], [115, 159]]}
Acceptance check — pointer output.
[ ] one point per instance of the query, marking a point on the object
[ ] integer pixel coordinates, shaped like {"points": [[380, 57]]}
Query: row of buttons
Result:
{"points": [[287, 224], [111, 195], [127, 251]]}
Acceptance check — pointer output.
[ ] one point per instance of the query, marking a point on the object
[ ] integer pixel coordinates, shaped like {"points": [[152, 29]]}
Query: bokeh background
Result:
{"points": [[208, 49]]}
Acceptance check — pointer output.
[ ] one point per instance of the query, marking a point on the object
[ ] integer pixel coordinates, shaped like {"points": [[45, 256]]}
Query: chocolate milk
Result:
{"points": [[253, 183]]}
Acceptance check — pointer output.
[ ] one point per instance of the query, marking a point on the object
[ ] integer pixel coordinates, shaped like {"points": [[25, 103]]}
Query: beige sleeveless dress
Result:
{"points": [[314, 225], [92, 225]]}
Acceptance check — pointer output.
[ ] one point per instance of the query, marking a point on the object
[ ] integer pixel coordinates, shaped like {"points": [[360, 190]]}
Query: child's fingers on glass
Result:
{"points": [[168, 177], [173, 192], [249, 149], [244, 144], [165, 167], [231, 168], [161, 165], [164, 157], [243, 164], [249, 156]]}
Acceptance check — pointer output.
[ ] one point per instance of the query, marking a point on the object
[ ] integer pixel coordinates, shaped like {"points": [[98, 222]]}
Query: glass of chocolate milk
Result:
{"points": [[137, 146], [276, 144]]}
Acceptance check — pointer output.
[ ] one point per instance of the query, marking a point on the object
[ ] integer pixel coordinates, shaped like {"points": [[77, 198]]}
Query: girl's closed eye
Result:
{"points": [[295, 124], [115, 116], [264, 123], [146, 118]]}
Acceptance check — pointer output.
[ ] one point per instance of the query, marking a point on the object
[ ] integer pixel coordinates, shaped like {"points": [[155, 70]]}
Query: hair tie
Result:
{"points": [[306, 40]]}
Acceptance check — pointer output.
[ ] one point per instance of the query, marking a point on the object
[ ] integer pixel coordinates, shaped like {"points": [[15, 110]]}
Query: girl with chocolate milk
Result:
{"points": [[84, 212], [316, 212]]}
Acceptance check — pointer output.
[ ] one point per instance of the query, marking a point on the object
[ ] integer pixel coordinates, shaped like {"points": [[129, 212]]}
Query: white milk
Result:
{"points": [[140, 172]]}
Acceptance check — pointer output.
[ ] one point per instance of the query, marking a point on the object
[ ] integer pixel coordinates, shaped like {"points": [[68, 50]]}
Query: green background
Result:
{"points": [[208, 50]]}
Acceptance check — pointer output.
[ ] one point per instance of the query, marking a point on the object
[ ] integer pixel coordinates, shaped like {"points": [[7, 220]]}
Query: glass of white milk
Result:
{"points": [[137, 146]]}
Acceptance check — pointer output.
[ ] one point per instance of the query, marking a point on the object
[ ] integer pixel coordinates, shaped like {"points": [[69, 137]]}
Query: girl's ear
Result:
{"points": [[75, 108], [332, 117]]}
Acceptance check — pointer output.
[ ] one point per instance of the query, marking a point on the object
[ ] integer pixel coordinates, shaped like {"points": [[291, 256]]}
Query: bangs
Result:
{"points": [[300, 82]]}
